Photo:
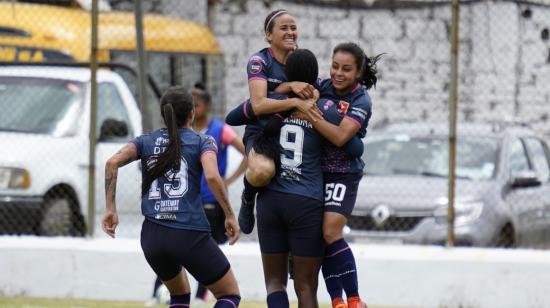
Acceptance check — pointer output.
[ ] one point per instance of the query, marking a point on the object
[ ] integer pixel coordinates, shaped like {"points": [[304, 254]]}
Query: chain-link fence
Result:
{"points": [[502, 173]]}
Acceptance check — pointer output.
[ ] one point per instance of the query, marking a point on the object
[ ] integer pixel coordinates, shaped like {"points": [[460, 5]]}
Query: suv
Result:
{"points": [[44, 141], [502, 186]]}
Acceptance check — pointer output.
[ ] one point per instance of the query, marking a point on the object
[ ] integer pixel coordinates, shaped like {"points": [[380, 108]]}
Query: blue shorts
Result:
{"points": [[341, 192], [168, 249], [290, 223]]}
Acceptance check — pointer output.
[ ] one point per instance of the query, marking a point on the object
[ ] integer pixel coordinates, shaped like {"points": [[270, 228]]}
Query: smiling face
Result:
{"points": [[344, 72], [283, 34]]}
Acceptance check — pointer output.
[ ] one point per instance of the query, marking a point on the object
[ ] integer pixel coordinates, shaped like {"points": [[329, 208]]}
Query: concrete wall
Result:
{"points": [[394, 276]]}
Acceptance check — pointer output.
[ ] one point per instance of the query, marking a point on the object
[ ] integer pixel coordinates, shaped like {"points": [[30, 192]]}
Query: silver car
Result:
{"points": [[502, 186]]}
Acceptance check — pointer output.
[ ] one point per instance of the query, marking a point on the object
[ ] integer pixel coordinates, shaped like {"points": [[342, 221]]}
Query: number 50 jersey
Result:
{"points": [[174, 199], [301, 149]]}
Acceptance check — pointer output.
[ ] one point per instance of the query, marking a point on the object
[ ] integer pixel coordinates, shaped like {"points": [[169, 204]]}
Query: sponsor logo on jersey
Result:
{"points": [[274, 80], [328, 104], [343, 107], [256, 65], [166, 216]]}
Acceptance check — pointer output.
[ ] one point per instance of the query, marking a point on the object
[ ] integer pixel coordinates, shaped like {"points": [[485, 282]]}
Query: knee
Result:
{"points": [[304, 289], [260, 172], [331, 235]]}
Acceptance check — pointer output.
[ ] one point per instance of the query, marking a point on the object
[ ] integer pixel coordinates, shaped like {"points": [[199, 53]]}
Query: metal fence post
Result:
{"points": [[452, 122], [93, 120], [142, 68]]}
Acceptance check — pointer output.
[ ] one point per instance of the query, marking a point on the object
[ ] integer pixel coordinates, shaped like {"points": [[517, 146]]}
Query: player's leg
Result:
{"points": [[305, 220], [339, 268], [155, 239], [258, 174], [272, 236], [207, 263]]}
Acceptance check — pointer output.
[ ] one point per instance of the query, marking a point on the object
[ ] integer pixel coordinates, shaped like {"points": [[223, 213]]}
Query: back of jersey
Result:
{"points": [[300, 171], [174, 199]]}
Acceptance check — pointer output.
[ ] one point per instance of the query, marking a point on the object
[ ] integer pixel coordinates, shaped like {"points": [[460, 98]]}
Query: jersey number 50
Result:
{"points": [[175, 186]]}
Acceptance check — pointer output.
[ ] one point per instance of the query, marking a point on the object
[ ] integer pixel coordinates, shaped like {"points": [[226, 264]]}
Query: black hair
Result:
{"points": [[199, 91], [365, 64], [301, 65], [175, 106], [270, 21]]}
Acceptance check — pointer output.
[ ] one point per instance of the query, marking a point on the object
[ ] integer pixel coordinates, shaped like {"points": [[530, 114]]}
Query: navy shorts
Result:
{"points": [[168, 249], [290, 223], [216, 219], [341, 191]]}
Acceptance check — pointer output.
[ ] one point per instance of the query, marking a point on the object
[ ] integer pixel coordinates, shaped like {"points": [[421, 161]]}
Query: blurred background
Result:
{"points": [[502, 175]]}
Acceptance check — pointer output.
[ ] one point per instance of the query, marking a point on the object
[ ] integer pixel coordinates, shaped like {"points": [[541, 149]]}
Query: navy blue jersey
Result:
{"points": [[174, 200], [300, 172], [256, 125], [355, 106], [263, 66]]}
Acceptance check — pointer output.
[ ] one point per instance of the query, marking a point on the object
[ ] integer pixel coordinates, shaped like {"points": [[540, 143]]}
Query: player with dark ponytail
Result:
{"points": [[175, 235]]}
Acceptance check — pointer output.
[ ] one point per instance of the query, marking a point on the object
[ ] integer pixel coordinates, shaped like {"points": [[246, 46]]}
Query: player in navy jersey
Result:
{"points": [[175, 235], [351, 74], [265, 71]]}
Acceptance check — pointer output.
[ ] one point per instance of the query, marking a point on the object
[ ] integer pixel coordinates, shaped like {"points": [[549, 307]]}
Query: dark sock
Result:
{"points": [[180, 300], [331, 268], [230, 301], [249, 192], [158, 283], [347, 271], [202, 292], [277, 300]]}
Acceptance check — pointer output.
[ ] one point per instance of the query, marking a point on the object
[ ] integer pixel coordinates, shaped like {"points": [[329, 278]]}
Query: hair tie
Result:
{"points": [[273, 17]]}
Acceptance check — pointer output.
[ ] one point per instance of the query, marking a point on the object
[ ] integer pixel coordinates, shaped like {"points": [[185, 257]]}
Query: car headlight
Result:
{"points": [[465, 212], [14, 178]]}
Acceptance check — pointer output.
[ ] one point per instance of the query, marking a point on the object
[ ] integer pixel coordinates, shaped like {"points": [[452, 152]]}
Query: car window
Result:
{"points": [[538, 157], [111, 106], [517, 157]]}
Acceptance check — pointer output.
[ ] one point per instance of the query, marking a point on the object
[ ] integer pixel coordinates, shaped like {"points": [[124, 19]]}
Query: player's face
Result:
{"points": [[201, 109], [344, 72], [284, 33]]}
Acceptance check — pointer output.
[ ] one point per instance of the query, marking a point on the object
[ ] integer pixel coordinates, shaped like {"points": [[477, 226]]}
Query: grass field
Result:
{"points": [[28, 302]]}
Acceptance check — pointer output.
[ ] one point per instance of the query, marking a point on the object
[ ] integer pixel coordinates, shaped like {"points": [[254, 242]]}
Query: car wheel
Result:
{"points": [[506, 237], [57, 217]]}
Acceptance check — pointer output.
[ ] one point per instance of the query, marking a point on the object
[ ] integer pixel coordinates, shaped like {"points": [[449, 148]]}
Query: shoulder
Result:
{"points": [[261, 56], [361, 98]]}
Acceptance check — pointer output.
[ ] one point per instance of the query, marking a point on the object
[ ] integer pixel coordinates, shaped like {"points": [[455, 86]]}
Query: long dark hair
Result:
{"points": [[175, 106], [301, 65], [365, 64]]}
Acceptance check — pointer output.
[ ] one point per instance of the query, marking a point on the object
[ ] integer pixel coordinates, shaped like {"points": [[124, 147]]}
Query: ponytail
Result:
{"points": [[367, 65], [176, 106]]}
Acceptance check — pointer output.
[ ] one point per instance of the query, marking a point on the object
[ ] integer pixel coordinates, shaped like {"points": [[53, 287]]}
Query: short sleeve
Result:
{"points": [[257, 68], [228, 134], [208, 144], [360, 111], [138, 143]]}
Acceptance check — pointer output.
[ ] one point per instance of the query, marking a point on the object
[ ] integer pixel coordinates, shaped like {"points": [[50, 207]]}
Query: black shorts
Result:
{"points": [[168, 249], [216, 219], [341, 192], [290, 223]]}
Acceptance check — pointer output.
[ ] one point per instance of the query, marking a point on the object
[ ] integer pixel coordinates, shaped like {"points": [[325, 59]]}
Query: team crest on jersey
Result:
{"points": [[343, 107], [256, 65], [328, 104]]}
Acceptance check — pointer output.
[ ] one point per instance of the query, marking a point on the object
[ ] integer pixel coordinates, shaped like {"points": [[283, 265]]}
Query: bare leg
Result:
{"points": [[178, 285], [227, 285], [306, 273]]}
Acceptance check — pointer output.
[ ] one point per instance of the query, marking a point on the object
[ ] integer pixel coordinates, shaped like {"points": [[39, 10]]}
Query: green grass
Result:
{"points": [[29, 302]]}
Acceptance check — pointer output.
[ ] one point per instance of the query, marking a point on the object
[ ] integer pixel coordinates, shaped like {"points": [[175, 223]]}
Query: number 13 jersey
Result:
{"points": [[301, 149], [174, 199]]}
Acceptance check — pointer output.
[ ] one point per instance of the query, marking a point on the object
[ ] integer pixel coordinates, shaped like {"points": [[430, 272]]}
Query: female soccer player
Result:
{"points": [[351, 74], [175, 231], [265, 72]]}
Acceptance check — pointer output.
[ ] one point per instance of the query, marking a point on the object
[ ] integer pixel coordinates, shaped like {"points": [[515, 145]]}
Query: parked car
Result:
{"points": [[502, 186], [44, 138]]}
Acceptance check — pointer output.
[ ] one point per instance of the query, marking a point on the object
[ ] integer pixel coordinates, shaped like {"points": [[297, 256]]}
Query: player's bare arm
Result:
{"points": [[124, 156], [215, 182]]}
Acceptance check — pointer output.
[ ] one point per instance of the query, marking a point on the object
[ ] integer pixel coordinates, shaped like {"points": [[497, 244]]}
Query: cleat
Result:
{"points": [[339, 303], [246, 215], [356, 304]]}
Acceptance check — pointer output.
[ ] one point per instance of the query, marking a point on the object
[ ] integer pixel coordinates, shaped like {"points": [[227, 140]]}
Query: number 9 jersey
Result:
{"points": [[174, 199], [301, 149]]}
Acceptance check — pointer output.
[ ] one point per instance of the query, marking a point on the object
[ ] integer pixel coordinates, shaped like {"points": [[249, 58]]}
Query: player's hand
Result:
{"points": [[232, 229], [109, 222], [302, 89], [309, 108]]}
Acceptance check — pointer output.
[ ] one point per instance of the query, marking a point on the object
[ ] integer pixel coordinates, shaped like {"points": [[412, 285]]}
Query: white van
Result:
{"points": [[44, 142]]}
